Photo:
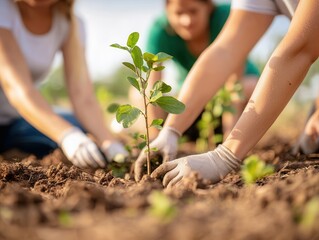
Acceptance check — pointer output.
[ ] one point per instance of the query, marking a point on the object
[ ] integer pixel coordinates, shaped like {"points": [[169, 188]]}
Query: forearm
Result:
{"points": [[281, 77], [91, 117], [274, 89], [202, 83]]}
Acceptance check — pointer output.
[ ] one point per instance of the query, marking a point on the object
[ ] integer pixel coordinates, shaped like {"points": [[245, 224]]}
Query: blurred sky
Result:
{"points": [[111, 21]]}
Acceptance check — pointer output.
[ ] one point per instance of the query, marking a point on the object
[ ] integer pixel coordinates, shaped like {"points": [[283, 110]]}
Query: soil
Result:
{"points": [[50, 199]]}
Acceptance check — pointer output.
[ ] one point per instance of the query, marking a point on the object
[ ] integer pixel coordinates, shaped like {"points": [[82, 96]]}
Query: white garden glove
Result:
{"points": [[81, 150], [213, 165], [115, 151], [309, 140], [308, 144], [167, 146]]}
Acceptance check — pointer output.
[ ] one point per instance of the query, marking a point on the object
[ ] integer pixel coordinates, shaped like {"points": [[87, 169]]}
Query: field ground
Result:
{"points": [[49, 199]]}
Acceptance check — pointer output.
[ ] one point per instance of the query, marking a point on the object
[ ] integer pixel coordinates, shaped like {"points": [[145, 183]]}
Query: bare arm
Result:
{"points": [[80, 88], [16, 82], [282, 75], [223, 57]]}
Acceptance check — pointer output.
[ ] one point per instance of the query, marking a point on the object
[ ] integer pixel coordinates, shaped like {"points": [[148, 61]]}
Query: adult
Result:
{"points": [[31, 33]]}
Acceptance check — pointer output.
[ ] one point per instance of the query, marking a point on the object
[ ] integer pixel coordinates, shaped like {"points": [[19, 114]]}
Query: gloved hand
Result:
{"points": [[213, 165], [166, 144], [309, 140], [115, 151], [81, 150]]}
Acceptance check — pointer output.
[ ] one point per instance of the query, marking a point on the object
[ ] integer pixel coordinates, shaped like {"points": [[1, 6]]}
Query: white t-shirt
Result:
{"points": [[38, 50], [273, 7]]}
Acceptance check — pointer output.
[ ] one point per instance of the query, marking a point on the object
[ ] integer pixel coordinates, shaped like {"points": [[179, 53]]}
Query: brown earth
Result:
{"points": [[49, 199]]}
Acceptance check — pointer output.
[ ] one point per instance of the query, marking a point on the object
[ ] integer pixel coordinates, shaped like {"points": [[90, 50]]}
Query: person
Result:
{"points": [[31, 33], [184, 31], [282, 75]]}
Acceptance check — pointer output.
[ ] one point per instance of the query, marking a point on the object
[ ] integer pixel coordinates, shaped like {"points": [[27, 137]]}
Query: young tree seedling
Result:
{"points": [[142, 65]]}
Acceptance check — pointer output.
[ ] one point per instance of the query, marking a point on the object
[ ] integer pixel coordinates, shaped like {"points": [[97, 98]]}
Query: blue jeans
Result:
{"points": [[20, 134]]}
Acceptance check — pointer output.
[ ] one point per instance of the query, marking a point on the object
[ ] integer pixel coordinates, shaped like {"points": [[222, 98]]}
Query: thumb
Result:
{"points": [[138, 167]]}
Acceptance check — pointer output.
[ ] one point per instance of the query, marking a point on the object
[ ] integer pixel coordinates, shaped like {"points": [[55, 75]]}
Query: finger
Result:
{"points": [[138, 167], [163, 168], [88, 158], [96, 157], [175, 180], [170, 176], [78, 160]]}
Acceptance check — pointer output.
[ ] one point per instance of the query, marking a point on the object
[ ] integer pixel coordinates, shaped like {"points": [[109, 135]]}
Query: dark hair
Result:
{"points": [[66, 7]]}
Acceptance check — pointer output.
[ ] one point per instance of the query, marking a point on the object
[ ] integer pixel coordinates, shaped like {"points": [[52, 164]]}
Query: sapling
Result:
{"points": [[142, 65]]}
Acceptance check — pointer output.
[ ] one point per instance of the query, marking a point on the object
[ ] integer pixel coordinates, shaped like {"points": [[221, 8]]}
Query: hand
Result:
{"points": [[309, 140], [166, 144], [81, 150], [213, 165], [115, 151]]}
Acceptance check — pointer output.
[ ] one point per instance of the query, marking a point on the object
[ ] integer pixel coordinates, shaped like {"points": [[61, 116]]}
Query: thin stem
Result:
{"points": [[148, 155]]}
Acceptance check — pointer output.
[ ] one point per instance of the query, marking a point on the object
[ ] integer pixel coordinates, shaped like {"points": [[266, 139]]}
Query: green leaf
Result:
{"points": [[141, 145], [161, 57], [149, 57], [157, 123], [218, 110], [159, 68], [162, 87], [136, 54], [161, 206], [115, 45], [145, 69], [129, 65], [132, 39], [155, 96], [134, 82], [127, 115], [170, 104], [143, 136], [112, 108]]}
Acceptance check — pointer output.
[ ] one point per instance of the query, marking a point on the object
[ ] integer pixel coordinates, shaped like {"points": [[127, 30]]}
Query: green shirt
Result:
{"points": [[162, 38]]}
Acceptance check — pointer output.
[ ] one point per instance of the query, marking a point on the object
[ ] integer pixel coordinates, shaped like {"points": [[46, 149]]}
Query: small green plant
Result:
{"points": [[161, 206], [65, 218], [310, 214], [142, 66], [210, 120], [254, 169]]}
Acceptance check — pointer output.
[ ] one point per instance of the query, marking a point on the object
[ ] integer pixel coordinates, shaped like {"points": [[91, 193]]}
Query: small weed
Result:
{"points": [[254, 169], [161, 206]]}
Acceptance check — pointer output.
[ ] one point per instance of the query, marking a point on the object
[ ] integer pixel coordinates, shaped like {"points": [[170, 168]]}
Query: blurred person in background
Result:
{"points": [[31, 33]]}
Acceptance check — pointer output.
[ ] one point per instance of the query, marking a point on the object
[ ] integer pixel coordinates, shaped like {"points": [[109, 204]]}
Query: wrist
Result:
{"points": [[172, 129], [72, 132], [228, 157]]}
